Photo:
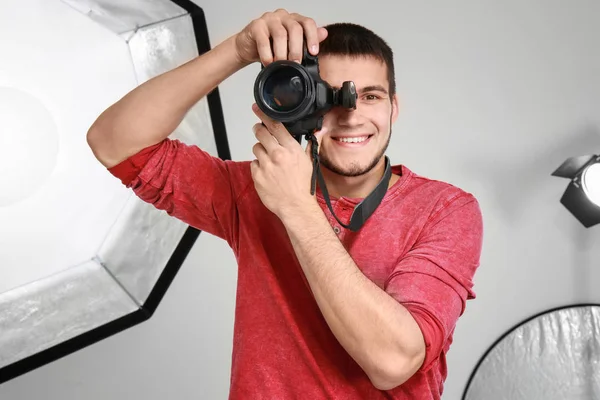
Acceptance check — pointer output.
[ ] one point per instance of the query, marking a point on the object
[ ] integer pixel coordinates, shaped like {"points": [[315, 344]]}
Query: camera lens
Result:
{"points": [[284, 89]]}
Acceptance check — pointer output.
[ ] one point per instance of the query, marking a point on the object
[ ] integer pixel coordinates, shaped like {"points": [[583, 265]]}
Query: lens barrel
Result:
{"points": [[284, 91]]}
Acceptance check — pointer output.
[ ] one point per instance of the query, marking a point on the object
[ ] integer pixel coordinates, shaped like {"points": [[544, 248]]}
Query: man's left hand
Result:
{"points": [[282, 170]]}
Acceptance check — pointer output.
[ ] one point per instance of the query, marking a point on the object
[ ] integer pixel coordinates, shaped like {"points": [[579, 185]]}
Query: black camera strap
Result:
{"points": [[366, 207]]}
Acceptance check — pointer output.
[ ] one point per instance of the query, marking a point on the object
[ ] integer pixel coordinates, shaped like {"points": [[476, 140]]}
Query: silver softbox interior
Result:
{"points": [[81, 257]]}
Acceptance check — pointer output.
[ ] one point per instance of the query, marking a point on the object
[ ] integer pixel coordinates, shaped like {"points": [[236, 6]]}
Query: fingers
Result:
{"points": [[275, 128], [260, 153], [309, 28], [295, 39], [260, 31], [322, 34], [280, 35], [266, 139]]}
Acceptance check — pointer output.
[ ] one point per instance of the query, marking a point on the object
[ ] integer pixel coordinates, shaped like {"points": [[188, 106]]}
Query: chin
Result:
{"points": [[351, 165], [349, 168]]}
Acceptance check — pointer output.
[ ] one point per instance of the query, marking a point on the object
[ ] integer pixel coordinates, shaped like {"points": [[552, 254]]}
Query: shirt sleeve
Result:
{"points": [[434, 280], [189, 184]]}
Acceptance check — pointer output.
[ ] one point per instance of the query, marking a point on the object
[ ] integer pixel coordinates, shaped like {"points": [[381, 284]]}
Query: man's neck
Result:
{"points": [[355, 187]]}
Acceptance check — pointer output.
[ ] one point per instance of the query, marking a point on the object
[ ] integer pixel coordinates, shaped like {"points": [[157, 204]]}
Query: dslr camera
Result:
{"points": [[295, 94]]}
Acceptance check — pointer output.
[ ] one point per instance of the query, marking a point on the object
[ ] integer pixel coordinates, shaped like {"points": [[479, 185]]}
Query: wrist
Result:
{"points": [[231, 43], [300, 212], [227, 54]]}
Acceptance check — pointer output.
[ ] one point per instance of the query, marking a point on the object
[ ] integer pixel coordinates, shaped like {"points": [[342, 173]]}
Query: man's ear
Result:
{"points": [[395, 108]]}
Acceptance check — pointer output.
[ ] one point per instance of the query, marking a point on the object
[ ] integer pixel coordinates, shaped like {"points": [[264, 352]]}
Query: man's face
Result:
{"points": [[343, 149]]}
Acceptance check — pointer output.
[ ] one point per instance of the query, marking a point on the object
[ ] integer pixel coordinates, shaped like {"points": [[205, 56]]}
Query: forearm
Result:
{"points": [[375, 329], [153, 110]]}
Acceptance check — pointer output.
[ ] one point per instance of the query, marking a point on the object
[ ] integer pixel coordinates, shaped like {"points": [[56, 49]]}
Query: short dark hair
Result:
{"points": [[350, 39]]}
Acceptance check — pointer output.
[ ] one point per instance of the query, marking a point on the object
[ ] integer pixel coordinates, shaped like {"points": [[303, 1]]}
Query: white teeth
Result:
{"points": [[353, 140]]}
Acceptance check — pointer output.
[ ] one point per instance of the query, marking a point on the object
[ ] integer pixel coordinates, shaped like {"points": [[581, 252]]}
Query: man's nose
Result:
{"points": [[348, 109], [347, 115]]}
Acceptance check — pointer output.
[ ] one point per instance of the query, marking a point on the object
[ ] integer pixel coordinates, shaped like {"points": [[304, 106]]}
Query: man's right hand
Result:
{"points": [[287, 32]]}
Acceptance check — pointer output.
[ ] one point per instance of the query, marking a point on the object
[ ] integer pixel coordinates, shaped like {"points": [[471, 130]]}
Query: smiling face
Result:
{"points": [[355, 141]]}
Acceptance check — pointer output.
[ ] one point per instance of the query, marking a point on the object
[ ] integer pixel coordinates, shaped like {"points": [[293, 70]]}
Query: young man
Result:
{"points": [[322, 312]]}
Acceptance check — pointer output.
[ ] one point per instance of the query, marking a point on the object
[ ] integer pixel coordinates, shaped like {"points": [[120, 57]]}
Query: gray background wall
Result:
{"points": [[494, 96]]}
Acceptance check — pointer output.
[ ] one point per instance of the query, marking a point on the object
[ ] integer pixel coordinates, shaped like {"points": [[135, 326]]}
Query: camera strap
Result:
{"points": [[366, 207]]}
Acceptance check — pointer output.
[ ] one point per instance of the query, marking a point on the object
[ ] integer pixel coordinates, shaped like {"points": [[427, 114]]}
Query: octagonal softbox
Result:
{"points": [[81, 257], [554, 355]]}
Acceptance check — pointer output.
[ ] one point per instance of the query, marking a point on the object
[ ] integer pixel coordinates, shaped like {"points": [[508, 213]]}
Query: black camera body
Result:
{"points": [[295, 94]]}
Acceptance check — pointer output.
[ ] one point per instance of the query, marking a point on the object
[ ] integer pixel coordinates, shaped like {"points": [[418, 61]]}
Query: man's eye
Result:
{"points": [[371, 97]]}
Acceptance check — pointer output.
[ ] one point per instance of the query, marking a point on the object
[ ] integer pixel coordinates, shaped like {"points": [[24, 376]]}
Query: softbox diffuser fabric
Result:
{"points": [[81, 257]]}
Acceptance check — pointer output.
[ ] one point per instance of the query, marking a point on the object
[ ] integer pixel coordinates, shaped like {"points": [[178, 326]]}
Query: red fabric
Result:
{"points": [[422, 246]]}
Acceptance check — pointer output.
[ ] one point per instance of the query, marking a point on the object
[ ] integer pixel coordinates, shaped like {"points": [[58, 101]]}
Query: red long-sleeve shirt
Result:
{"points": [[421, 246]]}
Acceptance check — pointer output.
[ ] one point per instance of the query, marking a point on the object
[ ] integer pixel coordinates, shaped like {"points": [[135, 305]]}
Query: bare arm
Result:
{"points": [[376, 330], [151, 112]]}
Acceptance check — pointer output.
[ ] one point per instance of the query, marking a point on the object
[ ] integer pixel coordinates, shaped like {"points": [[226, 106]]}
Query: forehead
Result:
{"points": [[364, 71]]}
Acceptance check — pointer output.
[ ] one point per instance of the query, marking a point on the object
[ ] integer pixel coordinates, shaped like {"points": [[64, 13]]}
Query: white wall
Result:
{"points": [[494, 96]]}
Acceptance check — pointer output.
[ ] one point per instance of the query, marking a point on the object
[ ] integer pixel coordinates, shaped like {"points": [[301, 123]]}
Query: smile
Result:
{"points": [[354, 141]]}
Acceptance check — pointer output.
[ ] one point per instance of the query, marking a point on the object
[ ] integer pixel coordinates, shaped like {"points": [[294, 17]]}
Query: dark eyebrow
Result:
{"points": [[370, 88], [373, 88]]}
